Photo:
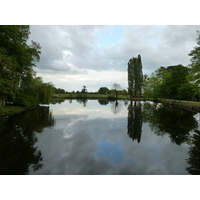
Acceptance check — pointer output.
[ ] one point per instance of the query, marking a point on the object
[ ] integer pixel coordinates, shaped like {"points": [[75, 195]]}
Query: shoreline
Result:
{"points": [[12, 110], [193, 106]]}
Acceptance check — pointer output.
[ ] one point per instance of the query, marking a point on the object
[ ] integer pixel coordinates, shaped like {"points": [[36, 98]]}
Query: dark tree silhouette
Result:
{"points": [[84, 90], [135, 120], [170, 120], [135, 76], [194, 155], [17, 140], [103, 101]]}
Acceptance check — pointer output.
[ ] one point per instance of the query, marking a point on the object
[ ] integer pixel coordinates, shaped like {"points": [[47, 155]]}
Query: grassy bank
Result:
{"points": [[89, 96], [11, 110], [189, 105], [98, 96]]}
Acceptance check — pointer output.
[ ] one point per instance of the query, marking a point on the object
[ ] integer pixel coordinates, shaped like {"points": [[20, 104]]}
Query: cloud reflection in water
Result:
{"points": [[93, 140]]}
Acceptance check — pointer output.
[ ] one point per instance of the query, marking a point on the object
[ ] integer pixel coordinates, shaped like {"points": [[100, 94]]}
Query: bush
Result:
{"points": [[25, 100]]}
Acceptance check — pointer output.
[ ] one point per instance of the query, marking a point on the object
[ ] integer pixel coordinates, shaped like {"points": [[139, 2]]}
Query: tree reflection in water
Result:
{"points": [[135, 120], [103, 101], [181, 126], [176, 122], [116, 106], [194, 154], [17, 139], [82, 101]]}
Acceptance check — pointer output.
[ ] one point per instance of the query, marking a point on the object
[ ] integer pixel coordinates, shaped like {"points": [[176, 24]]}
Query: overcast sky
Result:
{"points": [[97, 56]]}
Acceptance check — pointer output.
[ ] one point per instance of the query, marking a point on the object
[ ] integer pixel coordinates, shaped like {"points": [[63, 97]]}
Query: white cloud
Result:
{"points": [[73, 56]]}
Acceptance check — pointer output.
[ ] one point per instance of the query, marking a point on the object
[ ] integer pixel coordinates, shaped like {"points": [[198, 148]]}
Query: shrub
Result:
{"points": [[25, 100]]}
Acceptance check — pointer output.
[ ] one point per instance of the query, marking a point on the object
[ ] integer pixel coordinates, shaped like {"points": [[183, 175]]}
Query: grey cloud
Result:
{"points": [[67, 48], [157, 45], [73, 49]]}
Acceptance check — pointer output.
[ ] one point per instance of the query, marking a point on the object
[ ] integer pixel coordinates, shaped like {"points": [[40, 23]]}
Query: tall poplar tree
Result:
{"points": [[135, 76]]}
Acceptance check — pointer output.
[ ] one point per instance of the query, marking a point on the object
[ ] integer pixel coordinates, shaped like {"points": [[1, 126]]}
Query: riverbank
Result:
{"points": [[188, 105], [88, 96], [11, 110], [99, 96]]}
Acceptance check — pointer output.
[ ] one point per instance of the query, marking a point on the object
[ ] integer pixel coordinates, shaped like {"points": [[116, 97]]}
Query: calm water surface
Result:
{"points": [[100, 137]]}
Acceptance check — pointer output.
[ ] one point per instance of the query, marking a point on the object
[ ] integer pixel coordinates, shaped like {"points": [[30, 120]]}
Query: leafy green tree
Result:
{"points": [[195, 61], [170, 82], [16, 58], [187, 91], [151, 86], [135, 76], [8, 78], [154, 86], [103, 90], [35, 92], [13, 44], [59, 91], [177, 76]]}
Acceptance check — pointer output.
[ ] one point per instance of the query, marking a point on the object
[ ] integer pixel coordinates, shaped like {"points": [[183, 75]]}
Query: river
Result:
{"points": [[100, 137]]}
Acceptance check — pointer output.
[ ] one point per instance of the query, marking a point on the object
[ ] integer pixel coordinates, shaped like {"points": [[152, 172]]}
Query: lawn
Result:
{"points": [[88, 96]]}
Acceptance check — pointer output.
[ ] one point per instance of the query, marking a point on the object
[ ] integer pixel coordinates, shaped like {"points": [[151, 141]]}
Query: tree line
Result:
{"points": [[18, 81], [115, 90], [173, 82], [176, 82], [20, 85]]}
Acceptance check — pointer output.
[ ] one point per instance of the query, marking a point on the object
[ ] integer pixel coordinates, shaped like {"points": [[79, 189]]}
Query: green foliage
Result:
{"points": [[59, 91], [195, 61], [171, 82], [177, 82], [18, 81], [103, 90], [187, 91], [25, 100], [13, 44], [9, 78], [177, 77], [39, 91], [135, 76], [151, 86]]}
